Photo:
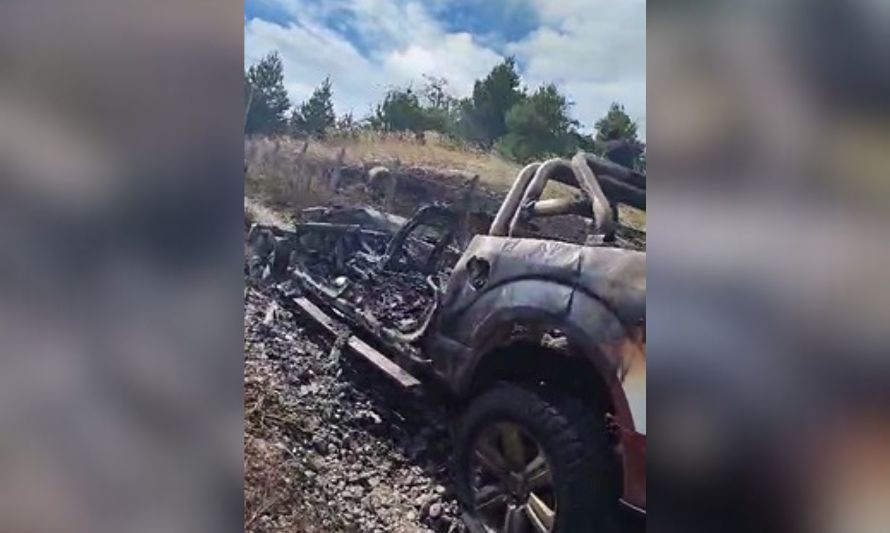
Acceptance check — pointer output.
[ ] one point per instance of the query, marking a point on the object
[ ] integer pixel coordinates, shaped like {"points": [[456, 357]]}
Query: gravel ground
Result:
{"points": [[330, 443]]}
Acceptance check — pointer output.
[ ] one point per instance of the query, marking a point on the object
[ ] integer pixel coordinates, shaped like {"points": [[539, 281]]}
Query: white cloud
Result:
{"points": [[390, 22], [593, 49], [410, 45], [311, 52], [457, 58]]}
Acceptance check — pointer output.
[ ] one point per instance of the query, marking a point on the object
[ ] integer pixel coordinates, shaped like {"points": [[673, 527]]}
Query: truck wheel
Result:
{"points": [[530, 461]]}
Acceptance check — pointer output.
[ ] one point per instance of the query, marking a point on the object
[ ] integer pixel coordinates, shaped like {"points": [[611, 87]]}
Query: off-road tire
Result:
{"points": [[572, 435]]}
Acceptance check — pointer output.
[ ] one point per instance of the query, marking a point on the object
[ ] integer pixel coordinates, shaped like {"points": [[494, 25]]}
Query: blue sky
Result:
{"points": [[595, 50]]}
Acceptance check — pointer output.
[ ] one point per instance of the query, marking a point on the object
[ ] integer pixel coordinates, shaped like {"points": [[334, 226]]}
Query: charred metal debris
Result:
{"points": [[383, 274], [376, 271]]}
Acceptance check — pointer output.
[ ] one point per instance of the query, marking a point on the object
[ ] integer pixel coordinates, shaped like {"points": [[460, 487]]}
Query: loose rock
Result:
{"points": [[328, 441]]}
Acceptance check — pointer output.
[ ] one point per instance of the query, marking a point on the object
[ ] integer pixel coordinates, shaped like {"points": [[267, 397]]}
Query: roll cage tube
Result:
{"points": [[519, 205], [501, 224]]}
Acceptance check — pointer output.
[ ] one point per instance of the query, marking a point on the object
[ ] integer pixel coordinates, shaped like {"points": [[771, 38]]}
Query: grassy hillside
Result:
{"points": [[385, 149], [280, 174]]}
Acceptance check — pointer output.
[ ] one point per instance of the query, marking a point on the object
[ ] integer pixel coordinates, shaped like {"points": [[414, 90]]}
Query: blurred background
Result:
{"points": [[121, 192], [121, 187], [768, 305]]}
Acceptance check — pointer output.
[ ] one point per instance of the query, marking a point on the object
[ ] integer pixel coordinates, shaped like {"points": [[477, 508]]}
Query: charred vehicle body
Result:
{"points": [[539, 344]]}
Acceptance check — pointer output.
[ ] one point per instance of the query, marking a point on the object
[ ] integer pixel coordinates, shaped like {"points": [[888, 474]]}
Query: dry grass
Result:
{"points": [[254, 211], [434, 153], [632, 217], [280, 175], [437, 153]]}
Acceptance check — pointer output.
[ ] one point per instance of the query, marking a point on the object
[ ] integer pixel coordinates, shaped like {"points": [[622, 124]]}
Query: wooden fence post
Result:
{"points": [[466, 208], [335, 177], [393, 185], [389, 199], [298, 163]]}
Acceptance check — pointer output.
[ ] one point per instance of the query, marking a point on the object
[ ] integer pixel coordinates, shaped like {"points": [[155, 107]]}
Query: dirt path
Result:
{"points": [[330, 444]]}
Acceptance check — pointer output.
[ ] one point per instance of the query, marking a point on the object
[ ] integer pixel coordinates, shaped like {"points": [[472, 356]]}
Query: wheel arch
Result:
{"points": [[529, 362], [590, 359], [508, 341]]}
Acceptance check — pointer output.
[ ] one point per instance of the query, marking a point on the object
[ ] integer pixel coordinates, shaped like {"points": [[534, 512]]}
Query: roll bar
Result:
{"points": [[603, 183]]}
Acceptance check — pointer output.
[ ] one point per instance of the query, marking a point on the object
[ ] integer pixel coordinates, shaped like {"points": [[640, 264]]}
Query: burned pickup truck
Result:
{"points": [[537, 343]]}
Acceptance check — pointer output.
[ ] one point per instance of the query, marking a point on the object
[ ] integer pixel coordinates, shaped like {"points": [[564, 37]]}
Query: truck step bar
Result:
{"points": [[360, 347]]}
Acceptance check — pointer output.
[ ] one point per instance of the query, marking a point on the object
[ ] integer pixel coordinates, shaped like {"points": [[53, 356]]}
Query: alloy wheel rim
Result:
{"points": [[512, 480]]}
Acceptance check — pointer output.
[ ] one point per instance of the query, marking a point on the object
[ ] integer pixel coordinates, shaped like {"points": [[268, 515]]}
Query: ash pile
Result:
{"points": [[330, 444]]}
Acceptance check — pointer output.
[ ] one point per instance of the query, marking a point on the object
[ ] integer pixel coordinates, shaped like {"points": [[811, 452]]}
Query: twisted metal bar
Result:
{"points": [[500, 225], [604, 224], [536, 187]]}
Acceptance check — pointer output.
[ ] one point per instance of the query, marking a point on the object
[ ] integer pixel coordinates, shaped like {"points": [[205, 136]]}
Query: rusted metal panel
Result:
{"points": [[357, 345], [595, 295], [320, 317], [382, 362], [633, 451], [616, 277]]}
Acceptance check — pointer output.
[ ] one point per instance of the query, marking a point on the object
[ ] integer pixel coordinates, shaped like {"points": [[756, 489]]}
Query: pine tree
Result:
{"points": [[267, 101], [616, 124], [484, 113], [316, 116], [539, 126], [616, 138]]}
